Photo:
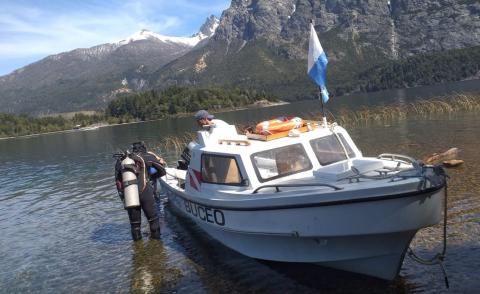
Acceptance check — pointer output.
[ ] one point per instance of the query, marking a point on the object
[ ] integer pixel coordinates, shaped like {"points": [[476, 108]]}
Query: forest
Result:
{"points": [[150, 105], [423, 69], [181, 100]]}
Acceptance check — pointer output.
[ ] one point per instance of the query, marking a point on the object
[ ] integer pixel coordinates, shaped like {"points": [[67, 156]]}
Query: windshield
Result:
{"points": [[329, 150], [279, 162]]}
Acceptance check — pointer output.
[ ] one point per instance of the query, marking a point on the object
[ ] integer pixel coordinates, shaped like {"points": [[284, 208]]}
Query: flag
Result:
{"points": [[317, 63]]}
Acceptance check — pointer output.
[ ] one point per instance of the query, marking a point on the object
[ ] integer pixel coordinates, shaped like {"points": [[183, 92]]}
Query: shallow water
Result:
{"points": [[63, 228], [419, 138]]}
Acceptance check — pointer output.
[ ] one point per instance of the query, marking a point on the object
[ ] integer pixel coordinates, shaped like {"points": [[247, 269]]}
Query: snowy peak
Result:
{"points": [[210, 26], [104, 50], [206, 31], [148, 35]]}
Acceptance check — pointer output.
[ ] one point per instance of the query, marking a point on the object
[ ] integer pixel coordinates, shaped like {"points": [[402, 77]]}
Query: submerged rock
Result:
{"points": [[453, 162], [437, 158]]}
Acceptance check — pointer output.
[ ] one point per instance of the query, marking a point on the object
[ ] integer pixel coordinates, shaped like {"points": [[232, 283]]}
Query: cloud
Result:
{"points": [[29, 28]]}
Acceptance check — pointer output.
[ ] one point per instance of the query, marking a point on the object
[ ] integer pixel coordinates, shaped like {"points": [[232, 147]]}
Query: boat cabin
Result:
{"points": [[223, 160]]}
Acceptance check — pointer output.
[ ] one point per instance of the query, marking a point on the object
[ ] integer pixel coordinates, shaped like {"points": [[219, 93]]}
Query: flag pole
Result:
{"points": [[324, 120], [323, 109]]}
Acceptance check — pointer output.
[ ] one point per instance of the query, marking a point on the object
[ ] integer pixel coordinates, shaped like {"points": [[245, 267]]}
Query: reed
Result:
{"points": [[173, 145], [422, 108], [176, 144]]}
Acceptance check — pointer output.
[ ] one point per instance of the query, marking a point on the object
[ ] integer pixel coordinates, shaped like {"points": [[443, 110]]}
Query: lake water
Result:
{"points": [[63, 228]]}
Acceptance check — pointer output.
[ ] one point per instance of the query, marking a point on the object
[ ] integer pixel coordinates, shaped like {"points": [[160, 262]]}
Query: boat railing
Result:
{"points": [[278, 186], [396, 157]]}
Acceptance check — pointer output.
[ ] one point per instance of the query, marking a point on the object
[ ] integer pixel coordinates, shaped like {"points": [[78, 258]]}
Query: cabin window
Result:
{"points": [[220, 169], [279, 162], [328, 150]]}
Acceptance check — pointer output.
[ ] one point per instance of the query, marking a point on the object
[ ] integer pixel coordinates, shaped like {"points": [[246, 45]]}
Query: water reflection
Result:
{"points": [[62, 226], [224, 270], [110, 234], [400, 96], [150, 270]]}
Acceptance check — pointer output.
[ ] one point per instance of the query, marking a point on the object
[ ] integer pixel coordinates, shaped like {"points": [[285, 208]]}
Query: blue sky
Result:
{"points": [[33, 29]]}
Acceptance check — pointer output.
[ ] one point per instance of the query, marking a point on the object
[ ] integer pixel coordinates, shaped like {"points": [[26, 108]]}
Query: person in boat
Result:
{"points": [[148, 166], [207, 121]]}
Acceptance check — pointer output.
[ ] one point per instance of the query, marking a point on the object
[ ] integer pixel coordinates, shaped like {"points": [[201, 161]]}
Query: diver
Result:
{"points": [[134, 172], [155, 164]]}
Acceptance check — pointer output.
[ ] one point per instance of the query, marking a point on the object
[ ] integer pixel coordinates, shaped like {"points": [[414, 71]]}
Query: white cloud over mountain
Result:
{"points": [[29, 29]]}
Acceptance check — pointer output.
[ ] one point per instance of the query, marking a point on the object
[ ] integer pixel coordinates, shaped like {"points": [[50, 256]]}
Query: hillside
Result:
{"points": [[88, 78], [422, 69], [263, 44]]}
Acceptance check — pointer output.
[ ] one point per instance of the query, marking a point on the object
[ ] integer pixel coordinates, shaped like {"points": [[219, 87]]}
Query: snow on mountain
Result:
{"points": [[206, 31], [148, 35], [209, 27]]}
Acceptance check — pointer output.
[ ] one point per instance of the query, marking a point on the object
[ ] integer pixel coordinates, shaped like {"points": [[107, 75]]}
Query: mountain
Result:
{"points": [[87, 78], [263, 44]]}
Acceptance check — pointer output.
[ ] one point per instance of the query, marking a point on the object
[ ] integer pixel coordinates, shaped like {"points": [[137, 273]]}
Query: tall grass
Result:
{"points": [[395, 112], [176, 144]]}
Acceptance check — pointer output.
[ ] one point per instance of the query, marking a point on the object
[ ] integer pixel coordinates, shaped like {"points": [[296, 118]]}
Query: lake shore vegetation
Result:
{"points": [[150, 105], [179, 101], [448, 105]]}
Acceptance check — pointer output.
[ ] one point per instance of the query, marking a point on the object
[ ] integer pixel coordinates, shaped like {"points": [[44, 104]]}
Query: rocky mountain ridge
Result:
{"points": [[418, 25], [263, 44]]}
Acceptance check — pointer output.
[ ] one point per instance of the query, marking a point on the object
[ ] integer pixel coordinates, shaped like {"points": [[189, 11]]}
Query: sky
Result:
{"points": [[33, 29]]}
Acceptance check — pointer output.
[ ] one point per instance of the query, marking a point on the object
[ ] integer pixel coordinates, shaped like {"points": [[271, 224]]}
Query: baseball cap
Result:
{"points": [[203, 114]]}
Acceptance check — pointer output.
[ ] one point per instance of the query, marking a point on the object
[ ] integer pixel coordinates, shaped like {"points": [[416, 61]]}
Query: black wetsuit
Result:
{"points": [[147, 204], [143, 162]]}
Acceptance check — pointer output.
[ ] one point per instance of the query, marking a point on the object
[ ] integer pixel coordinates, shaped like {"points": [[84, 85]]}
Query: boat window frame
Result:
{"points": [[242, 178], [351, 153], [262, 180], [337, 136]]}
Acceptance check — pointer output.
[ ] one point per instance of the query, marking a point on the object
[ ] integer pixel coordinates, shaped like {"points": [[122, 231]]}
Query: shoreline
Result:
{"points": [[96, 126], [443, 107]]}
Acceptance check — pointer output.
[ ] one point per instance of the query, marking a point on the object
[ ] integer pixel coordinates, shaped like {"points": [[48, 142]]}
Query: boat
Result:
{"points": [[90, 128], [306, 195]]}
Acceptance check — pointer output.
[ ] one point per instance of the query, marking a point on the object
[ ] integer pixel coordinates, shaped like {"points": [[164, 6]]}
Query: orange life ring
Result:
{"points": [[279, 124]]}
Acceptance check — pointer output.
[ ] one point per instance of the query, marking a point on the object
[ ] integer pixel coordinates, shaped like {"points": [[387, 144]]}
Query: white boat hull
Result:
{"points": [[367, 237]]}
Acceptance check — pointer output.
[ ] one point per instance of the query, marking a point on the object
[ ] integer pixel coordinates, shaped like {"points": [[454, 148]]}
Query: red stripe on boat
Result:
{"points": [[198, 175], [192, 183]]}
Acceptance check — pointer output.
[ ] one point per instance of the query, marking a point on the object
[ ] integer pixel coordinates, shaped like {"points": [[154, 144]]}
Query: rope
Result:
{"points": [[439, 257]]}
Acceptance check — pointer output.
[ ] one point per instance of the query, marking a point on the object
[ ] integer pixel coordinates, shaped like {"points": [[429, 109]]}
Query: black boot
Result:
{"points": [[136, 233], [154, 228]]}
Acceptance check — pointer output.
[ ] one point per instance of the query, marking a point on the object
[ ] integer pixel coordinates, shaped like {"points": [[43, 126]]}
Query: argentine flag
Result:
{"points": [[317, 63]]}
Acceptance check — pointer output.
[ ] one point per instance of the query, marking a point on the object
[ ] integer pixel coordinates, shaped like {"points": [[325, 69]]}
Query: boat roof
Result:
{"points": [[225, 138]]}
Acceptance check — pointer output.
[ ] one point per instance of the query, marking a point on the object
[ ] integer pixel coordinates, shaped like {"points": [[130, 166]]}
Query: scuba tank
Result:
{"points": [[134, 171], [130, 184]]}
